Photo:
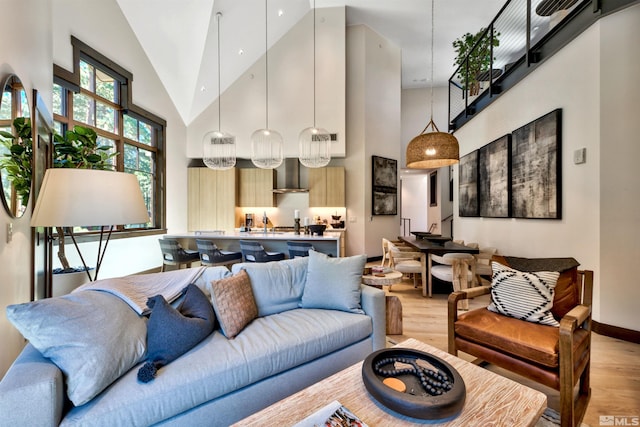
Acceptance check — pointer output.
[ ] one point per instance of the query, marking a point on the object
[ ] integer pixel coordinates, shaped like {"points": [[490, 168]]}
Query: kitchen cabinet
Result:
{"points": [[211, 199], [255, 187], [326, 187]]}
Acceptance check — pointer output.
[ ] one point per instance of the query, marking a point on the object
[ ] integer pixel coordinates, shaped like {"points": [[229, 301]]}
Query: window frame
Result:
{"points": [[70, 82]]}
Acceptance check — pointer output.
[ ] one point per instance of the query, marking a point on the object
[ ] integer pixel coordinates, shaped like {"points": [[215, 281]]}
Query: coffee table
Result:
{"points": [[491, 399]]}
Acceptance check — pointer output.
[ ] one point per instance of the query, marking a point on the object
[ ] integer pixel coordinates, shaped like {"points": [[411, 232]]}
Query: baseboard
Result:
{"points": [[616, 332]]}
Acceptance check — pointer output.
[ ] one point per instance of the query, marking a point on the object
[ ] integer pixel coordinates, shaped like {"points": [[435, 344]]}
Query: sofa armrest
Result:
{"points": [[32, 389], [373, 303]]}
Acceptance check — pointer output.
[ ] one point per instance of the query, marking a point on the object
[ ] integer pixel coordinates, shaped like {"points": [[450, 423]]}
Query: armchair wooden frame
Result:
{"points": [[573, 360]]}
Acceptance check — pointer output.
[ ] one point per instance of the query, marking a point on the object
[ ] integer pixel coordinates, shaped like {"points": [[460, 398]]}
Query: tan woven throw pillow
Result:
{"points": [[233, 302]]}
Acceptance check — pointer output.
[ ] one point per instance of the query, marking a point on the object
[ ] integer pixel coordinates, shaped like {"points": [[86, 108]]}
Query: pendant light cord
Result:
{"points": [[432, 25], [266, 65], [219, 15], [314, 63]]}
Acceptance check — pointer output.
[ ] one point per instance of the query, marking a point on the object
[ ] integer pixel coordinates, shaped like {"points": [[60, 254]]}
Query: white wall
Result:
{"points": [[416, 112], [290, 69], [620, 150], [415, 202], [25, 51], [599, 225], [111, 36], [373, 125]]}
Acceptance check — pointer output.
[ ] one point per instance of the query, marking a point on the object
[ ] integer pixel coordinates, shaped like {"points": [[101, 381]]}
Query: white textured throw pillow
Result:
{"points": [[526, 296]]}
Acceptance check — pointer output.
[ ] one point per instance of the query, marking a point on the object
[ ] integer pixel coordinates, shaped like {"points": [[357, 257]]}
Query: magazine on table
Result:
{"points": [[332, 415]]}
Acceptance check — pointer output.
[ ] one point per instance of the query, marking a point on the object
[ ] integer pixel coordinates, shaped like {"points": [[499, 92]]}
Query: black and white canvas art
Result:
{"points": [[468, 185], [536, 168], [493, 178], [384, 186]]}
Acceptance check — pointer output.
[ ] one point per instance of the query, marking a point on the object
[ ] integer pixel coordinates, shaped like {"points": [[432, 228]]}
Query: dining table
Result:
{"points": [[437, 246]]}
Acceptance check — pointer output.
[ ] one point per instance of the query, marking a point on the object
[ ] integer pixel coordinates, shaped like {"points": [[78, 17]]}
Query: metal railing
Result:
{"points": [[509, 46]]}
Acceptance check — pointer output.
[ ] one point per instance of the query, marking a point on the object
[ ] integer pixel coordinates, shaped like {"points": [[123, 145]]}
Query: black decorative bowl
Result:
{"points": [[442, 395], [317, 229]]}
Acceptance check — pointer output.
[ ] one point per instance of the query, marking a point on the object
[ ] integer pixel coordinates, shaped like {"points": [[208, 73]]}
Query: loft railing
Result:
{"points": [[521, 36]]}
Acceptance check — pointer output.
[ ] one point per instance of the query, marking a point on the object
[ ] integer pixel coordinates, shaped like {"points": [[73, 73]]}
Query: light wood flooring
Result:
{"points": [[615, 364]]}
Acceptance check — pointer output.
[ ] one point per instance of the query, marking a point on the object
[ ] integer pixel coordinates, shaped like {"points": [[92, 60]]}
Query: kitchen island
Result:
{"points": [[273, 241]]}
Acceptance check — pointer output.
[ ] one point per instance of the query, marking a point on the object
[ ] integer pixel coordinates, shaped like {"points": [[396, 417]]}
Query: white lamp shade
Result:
{"points": [[219, 150], [87, 197], [267, 149], [315, 147]]}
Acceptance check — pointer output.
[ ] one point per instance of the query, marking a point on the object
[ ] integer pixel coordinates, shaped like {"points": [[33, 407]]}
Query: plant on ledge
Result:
{"points": [[474, 62], [17, 161], [79, 149]]}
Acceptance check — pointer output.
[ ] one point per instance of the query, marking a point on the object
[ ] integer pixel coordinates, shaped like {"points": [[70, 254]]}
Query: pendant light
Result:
{"points": [[434, 149], [266, 144], [219, 148], [314, 142]]}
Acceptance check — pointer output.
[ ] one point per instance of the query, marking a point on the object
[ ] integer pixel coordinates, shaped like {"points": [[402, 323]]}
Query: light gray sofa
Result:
{"points": [[220, 381]]}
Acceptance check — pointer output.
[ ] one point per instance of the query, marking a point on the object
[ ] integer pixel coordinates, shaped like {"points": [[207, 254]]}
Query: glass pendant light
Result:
{"points": [[433, 149], [266, 144], [314, 142], [219, 148]]}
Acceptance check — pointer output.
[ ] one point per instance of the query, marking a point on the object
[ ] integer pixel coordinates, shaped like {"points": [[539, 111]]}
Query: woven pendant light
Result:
{"points": [[218, 147], [267, 145], [434, 149]]}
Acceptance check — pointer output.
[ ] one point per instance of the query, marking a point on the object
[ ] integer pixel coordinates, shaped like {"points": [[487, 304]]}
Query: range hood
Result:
{"points": [[291, 178]]}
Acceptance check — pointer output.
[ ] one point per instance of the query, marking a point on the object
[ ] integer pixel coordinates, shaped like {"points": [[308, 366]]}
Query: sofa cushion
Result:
{"points": [[277, 286], [172, 332], [525, 296], [102, 340], [333, 283], [218, 366], [233, 302], [532, 342]]}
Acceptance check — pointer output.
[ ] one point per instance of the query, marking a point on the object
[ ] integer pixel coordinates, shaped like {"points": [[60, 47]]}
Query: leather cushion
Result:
{"points": [[529, 341]]}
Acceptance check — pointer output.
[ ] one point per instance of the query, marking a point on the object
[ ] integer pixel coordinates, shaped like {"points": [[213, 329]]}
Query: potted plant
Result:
{"points": [[78, 148], [474, 62], [17, 161]]}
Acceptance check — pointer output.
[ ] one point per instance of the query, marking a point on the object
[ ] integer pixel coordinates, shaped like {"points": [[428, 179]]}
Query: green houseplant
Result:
{"points": [[477, 61], [78, 148], [17, 161]]}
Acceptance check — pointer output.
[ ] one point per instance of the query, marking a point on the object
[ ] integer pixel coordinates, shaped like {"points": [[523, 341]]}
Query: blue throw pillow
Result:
{"points": [[333, 283], [172, 332]]}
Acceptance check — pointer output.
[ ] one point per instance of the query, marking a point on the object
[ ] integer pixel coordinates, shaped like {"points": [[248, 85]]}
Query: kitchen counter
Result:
{"points": [[273, 241]]}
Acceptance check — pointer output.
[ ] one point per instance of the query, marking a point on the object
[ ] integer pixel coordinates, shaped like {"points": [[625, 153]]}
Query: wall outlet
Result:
{"points": [[580, 156]]}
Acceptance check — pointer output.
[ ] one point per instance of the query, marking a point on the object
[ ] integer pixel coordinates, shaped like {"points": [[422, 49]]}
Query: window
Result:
{"points": [[97, 95]]}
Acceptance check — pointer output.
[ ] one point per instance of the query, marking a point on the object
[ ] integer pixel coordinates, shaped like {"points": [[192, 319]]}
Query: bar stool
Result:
{"points": [[254, 252], [210, 255], [299, 249], [174, 254]]}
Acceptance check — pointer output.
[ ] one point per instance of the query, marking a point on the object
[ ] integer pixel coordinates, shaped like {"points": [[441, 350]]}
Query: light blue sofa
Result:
{"points": [[220, 381]]}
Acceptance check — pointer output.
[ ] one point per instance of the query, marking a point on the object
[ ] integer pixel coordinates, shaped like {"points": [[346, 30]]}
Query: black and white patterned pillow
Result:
{"points": [[526, 296]]}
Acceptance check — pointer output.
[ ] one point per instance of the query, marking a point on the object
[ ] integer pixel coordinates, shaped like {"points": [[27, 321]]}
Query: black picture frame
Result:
{"points": [[468, 185], [494, 178], [384, 198], [433, 189], [536, 168]]}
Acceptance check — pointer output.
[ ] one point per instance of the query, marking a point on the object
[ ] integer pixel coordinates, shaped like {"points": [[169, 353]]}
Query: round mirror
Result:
{"points": [[16, 148]]}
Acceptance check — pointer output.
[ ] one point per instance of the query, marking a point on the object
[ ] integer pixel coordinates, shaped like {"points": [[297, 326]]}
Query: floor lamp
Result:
{"points": [[89, 198]]}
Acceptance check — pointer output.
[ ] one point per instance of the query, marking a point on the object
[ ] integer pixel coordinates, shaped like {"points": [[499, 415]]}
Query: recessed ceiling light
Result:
{"points": [[203, 89], [280, 12], [241, 52]]}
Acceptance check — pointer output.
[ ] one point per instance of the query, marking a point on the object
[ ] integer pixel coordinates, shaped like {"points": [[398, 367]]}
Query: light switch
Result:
{"points": [[352, 219], [9, 232], [580, 156]]}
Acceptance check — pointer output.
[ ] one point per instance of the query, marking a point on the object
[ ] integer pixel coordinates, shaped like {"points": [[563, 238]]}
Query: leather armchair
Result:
{"points": [[558, 357]]}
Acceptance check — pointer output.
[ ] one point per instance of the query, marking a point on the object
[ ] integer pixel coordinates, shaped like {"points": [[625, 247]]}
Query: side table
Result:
{"points": [[394, 306]]}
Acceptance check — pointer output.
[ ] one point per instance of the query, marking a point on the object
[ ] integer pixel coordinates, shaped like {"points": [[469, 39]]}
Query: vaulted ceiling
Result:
{"points": [[180, 37]]}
